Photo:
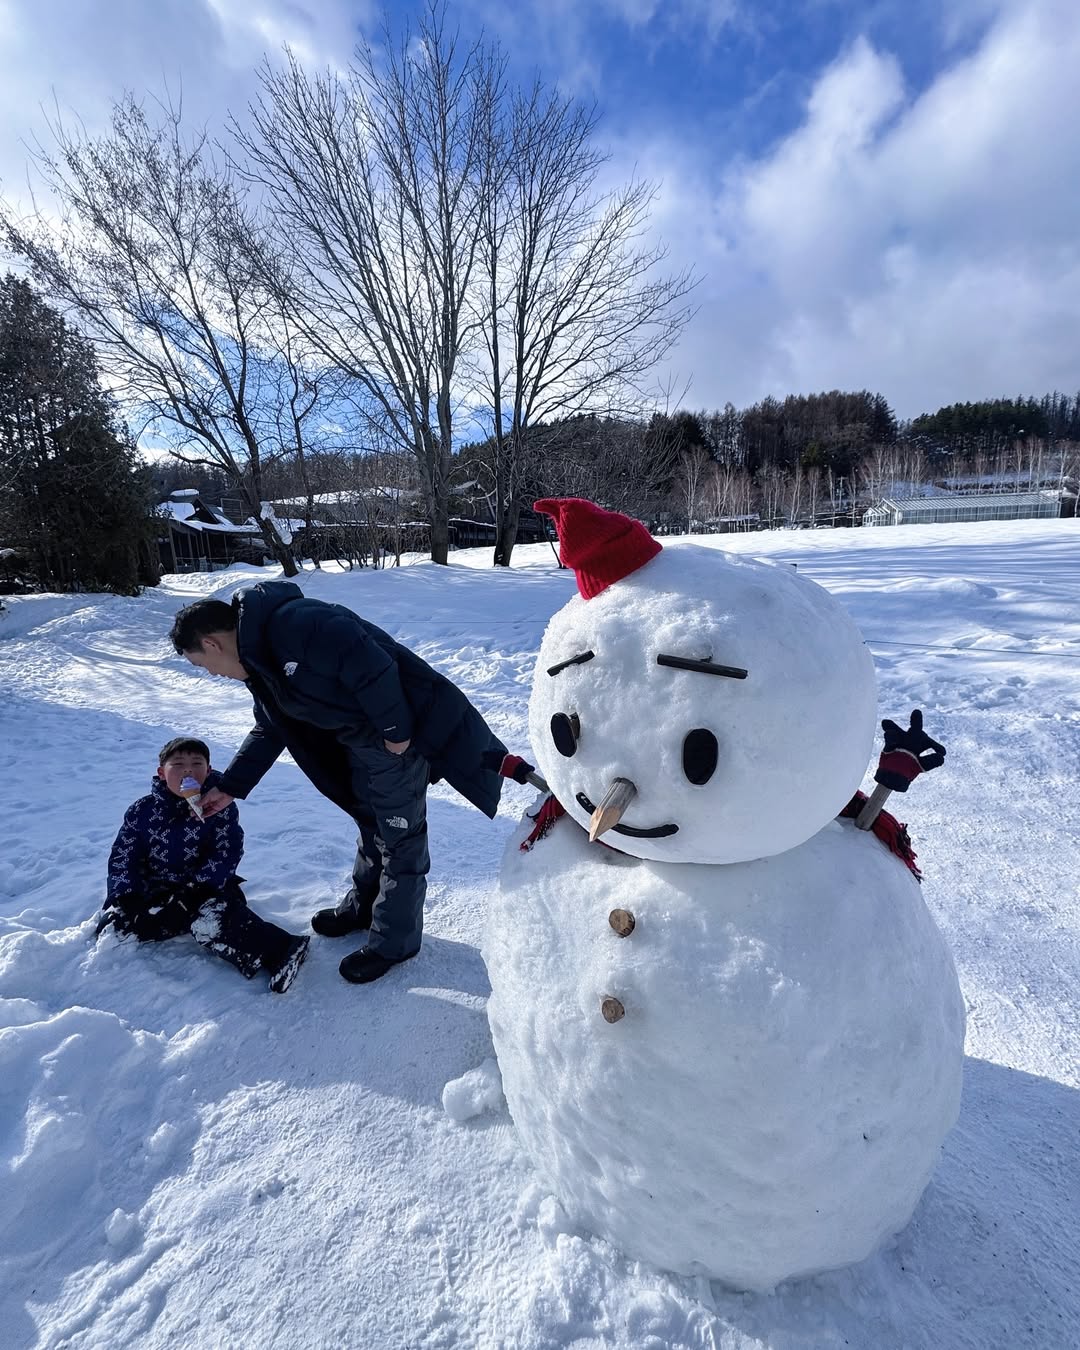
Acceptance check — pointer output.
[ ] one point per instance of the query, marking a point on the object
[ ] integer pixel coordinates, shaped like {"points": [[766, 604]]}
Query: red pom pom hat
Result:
{"points": [[601, 546]]}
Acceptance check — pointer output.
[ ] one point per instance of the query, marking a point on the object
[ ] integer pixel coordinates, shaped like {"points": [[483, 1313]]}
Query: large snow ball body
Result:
{"points": [[774, 1098], [725, 769]]}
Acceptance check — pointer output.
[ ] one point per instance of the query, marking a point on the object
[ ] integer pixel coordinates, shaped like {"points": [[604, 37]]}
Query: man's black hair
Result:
{"points": [[197, 621], [191, 744]]}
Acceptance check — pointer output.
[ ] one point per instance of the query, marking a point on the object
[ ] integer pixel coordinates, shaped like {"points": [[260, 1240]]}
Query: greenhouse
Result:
{"points": [[948, 508]]}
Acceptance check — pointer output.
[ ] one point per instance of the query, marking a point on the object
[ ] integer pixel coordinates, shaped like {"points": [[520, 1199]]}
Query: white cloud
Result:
{"points": [[923, 246], [677, 14], [85, 55], [805, 208]]}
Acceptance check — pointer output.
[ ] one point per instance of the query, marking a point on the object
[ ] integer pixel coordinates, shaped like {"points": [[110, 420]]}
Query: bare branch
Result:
{"points": [[164, 265], [574, 313]]}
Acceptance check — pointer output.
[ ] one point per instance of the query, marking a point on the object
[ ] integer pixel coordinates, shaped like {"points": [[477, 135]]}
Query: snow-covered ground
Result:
{"points": [[186, 1159]]}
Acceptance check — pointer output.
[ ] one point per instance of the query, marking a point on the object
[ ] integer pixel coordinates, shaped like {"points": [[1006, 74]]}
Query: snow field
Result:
{"points": [[185, 1159]]}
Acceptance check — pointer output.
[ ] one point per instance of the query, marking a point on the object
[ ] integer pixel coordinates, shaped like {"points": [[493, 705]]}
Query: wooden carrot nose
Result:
{"points": [[612, 805]]}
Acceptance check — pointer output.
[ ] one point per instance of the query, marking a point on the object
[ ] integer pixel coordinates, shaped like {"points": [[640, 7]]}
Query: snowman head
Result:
{"points": [[718, 708]]}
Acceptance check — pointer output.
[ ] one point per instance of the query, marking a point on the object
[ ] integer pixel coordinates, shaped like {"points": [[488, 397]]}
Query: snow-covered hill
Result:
{"points": [[188, 1160]]}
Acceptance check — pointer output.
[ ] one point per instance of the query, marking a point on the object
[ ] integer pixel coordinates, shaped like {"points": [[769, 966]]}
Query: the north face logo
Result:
{"points": [[289, 667]]}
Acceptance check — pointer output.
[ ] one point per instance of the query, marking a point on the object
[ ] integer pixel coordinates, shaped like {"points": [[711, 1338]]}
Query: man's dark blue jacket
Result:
{"points": [[324, 679]]}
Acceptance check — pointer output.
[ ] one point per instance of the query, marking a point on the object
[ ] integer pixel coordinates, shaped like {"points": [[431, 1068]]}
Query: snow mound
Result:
{"points": [[31, 615], [772, 1099], [474, 1092], [79, 1123], [960, 588]]}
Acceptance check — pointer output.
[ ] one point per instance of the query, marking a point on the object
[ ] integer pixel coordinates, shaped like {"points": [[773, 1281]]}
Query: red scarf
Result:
{"points": [[888, 829], [892, 833]]}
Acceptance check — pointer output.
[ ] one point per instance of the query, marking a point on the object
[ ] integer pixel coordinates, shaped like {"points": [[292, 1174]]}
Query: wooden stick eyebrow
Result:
{"points": [[578, 660], [705, 667]]}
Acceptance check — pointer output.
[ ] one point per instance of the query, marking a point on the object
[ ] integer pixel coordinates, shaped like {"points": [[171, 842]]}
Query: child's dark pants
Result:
{"points": [[220, 921]]}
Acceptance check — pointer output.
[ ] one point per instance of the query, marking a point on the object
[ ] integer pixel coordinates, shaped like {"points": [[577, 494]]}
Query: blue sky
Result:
{"points": [[881, 195], [732, 76]]}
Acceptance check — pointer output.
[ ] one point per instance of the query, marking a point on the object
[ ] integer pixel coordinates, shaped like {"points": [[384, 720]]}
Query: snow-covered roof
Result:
{"points": [[346, 495], [184, 514], [952, 500], [224, 527], [319, 499]]}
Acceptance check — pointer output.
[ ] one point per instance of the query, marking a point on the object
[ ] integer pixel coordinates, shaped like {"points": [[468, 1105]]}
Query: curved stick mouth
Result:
{"points": [[607, 814]]}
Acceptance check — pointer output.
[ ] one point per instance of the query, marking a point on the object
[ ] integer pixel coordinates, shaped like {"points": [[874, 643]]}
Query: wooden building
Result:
{"points": [[198, 537]]}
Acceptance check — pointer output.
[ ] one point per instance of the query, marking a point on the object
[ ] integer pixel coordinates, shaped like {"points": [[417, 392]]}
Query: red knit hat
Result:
{"points": [[601, 546]]}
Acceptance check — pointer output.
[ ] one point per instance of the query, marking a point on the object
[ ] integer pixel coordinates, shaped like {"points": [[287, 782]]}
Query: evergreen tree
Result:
{"points": [[986, 427], [75, 499]]}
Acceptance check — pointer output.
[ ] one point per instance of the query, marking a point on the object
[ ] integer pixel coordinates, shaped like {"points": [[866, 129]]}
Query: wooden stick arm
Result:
{"points": [[872, 807]]}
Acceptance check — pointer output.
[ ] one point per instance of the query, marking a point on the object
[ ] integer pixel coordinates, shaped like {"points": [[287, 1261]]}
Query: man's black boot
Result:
{"points": [[367, 964], [350, 916]]}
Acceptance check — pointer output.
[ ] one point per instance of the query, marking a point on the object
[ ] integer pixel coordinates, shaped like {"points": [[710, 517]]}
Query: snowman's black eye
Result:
{"points": [[565, 732], [700, 752]]}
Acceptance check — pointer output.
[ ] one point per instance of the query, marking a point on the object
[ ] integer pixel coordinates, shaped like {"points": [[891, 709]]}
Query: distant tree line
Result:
{"points": [[991, 427], [806, 459], [828, 431], [77, 499]]}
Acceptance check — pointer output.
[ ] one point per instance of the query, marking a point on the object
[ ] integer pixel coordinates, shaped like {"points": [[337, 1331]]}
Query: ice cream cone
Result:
{"points": [[191, 791]]}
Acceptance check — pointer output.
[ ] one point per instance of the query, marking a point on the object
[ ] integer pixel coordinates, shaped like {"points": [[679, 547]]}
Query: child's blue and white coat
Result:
{"points": [[162, 844]]}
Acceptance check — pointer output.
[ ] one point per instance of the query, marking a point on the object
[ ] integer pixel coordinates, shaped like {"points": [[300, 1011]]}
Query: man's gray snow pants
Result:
{"points": [[392, 849]]}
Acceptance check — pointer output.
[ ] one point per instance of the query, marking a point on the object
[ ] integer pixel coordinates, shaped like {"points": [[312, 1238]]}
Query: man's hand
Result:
{"points": [[397, 747], [214, 801]]}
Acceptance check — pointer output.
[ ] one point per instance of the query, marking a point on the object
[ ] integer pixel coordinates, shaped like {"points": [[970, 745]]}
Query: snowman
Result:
{"points": [[729, 1031]]}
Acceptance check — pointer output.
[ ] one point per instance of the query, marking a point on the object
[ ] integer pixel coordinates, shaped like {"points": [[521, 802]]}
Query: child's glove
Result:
{"points": [[160, 915]]}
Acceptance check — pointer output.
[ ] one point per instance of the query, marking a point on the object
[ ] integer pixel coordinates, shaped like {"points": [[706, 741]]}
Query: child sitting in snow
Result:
{"points": [[170, 872]]}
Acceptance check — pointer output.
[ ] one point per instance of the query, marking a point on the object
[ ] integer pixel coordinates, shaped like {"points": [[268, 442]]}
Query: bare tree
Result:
{"points": [[879, 470], [770, 479], [378, 178], [693, 466], [162, 262], [730, 492], [574, 313], [813, 484], [911, 469], [312, 408]]}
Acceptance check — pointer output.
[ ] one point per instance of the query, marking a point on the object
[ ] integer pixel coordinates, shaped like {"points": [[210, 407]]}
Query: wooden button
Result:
{"points": [[612, 1009], [622, 921]]}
